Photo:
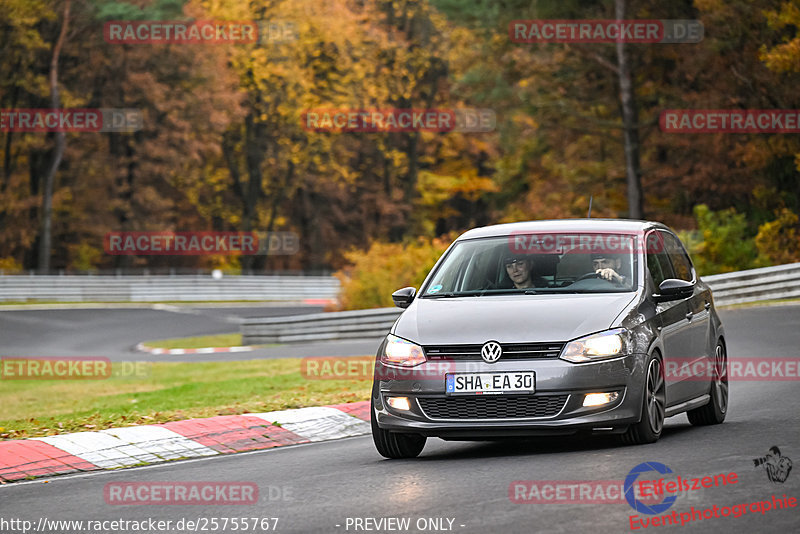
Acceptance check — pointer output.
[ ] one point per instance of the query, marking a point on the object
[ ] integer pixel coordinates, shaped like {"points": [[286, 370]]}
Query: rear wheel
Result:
{"points": [[714, 412], [394, 445], [648, 429]]}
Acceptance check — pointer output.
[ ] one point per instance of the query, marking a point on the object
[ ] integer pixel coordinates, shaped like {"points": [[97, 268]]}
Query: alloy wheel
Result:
{"points": [[656, 396], [721, 378]]}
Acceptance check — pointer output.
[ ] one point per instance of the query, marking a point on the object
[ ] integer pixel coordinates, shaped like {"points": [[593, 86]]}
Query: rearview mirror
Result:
{"points": [[674, 289], [402, 297]]}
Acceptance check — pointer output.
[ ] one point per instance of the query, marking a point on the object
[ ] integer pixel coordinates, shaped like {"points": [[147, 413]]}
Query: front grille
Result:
{"points": [[492, 406], [511, 351]]}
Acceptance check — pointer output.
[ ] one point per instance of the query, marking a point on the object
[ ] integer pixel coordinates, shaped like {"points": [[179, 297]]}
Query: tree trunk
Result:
{"points": [[45, 244], [630, 120], [254, 154]]}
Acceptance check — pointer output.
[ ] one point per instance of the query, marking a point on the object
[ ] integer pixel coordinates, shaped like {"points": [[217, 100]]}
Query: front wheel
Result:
{"points": [[394, 445], [648, 429], [714, 412]]}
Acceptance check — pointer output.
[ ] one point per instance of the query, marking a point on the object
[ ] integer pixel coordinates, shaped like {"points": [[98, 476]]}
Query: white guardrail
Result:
{"points": [[357, 324], [779, 282], [155, 288], [767, 283]]}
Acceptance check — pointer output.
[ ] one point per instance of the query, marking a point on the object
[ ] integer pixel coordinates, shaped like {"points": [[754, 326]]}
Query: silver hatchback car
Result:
{"points": [[551, 328]]}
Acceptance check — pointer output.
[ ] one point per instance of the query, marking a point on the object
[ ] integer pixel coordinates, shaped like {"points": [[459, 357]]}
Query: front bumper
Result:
{"points": [[559, 385]]}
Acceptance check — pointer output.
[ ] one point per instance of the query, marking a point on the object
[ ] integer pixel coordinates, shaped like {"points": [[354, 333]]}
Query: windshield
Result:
{"points": [[536, 264]]}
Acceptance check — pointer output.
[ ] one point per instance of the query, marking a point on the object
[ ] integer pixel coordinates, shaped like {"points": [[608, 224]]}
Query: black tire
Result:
{"points": [[394, 445], [714, 412], [654, 402]]}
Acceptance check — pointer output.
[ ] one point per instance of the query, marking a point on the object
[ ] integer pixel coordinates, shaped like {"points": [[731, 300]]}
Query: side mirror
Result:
{"points": [[402, 297], [674, 289]]}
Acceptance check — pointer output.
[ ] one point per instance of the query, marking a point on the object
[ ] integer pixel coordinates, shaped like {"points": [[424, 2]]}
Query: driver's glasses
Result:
{"points": [[514, 264]]}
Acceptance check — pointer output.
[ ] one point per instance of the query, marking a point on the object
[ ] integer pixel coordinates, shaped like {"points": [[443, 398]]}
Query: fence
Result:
{"points": [[768, 283], [93, 288], [356, 324]]}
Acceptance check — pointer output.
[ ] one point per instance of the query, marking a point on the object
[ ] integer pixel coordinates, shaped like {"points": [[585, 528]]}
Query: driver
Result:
{"points": [[520, 270], [607, 267]]}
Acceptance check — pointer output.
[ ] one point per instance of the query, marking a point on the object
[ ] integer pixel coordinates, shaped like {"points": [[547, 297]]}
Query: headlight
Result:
{"points": [[402, 353], [609, 344]]}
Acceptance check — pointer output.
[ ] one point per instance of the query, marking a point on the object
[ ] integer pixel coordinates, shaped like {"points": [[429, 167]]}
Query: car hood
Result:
{"points": [[509, 318]]}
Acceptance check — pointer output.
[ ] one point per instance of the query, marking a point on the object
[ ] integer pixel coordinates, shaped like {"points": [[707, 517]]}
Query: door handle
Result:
{"points": [[708, 305], [689, 316]]}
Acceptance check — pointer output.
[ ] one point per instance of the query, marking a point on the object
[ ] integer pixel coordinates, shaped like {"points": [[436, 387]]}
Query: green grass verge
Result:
{"points": [[199, 342], [165, 392]]}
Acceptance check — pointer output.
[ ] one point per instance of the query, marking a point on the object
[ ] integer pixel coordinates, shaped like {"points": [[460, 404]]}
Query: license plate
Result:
{"points": [[489, 383]]}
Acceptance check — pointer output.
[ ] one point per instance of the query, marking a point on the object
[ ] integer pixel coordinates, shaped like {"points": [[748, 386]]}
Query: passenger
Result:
{"points": [[607, 266], [520, 271]]}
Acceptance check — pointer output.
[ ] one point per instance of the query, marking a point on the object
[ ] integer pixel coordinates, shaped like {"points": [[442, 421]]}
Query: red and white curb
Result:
{"points": [[148, 444], [141, 347]]}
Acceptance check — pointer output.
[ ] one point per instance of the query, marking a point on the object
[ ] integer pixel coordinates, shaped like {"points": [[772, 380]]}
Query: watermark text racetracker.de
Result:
{"points": [[398, 120], [583, 243], [181, 493], [744, 369], [606, 31], [200, 243], [199, 32], [363, 368], [149, 525], [730, 121], [70, 368], [71, 120], [649, 493], [570, 492]]}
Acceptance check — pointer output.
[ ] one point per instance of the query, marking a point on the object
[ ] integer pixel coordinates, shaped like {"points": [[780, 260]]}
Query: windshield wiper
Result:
{"points": [[451, 294], [501, 292], [479, 293]]}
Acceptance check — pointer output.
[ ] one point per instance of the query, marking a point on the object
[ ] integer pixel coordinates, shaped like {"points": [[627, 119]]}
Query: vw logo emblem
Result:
{"points": [[491, 351]]}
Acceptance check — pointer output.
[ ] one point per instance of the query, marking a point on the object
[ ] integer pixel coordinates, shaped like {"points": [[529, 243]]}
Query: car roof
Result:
{"points": [[622, 226]]}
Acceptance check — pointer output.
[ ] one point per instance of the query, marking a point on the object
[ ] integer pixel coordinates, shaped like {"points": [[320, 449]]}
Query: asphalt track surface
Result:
{"points": [[321, 485], [113, 333]]}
